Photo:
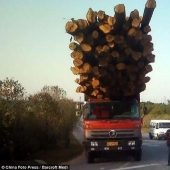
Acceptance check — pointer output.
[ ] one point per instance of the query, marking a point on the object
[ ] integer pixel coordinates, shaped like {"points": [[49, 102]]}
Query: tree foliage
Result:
{"points": [[32, 123]]}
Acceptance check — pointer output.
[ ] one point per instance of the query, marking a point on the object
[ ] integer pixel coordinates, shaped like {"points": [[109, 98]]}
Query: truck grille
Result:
{"points": [[128, 133]]}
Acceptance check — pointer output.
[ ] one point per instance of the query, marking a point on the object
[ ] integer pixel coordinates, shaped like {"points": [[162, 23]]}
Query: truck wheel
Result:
{"points": [[137, 155], [150, 136], [90, 158], [158, 137]]}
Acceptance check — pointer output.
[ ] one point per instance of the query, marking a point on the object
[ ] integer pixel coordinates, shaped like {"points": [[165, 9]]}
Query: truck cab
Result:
{"points": [[111, 127]]}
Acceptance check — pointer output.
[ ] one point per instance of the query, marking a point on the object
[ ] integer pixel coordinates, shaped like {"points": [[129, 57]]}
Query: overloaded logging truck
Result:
{"points": [[112, 55]]}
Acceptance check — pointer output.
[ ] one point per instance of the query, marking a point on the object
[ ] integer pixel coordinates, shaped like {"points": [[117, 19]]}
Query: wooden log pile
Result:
{"points": [[112, 54]]}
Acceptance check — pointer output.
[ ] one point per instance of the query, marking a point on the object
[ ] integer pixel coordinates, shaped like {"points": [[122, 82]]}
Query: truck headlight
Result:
{"points": [[131, 143], [94, 143]]}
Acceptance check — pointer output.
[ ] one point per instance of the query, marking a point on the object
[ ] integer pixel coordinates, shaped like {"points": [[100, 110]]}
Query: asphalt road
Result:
{"points": [[154, 157]]}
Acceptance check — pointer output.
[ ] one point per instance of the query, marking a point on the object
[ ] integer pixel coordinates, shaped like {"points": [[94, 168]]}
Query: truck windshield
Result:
{"points": [[111, 110]]}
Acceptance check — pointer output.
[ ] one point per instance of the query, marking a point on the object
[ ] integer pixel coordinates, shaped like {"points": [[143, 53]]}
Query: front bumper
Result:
{"points": [[162, 135], [112, 145]]}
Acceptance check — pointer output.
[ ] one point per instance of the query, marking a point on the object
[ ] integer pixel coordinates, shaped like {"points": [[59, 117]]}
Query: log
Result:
{"points": [[148, 12], [148, 68], [105, 49], [91, 16], [150, 58], [121, 66], [119, 17], [94, 93], [81, 89], [82, 79], [87, 68], [75, 70], [146, 29], [85, 47], [77, 62], [89, 40], [95, 83], [74, 46], [127, 51], [71, 27], [134, 14], [148, 48], [109, 38], [95, 34], [79, 37], [118, 39], [140, 64], [126, 26], [136, 55], [95, 70], [115, 54], [102, 72], [132, 77], [111, 20], [82, 24], [77, 55], [101, 16], [102, 61], [104, 27], [135, 23], [145, 39], [111, 44]]}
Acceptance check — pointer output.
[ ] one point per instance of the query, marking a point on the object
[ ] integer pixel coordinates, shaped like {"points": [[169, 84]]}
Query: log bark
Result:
{"points": [[148, 12], [119, 16]]}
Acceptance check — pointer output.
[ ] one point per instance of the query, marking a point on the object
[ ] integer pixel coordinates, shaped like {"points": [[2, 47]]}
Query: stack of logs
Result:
{"points": [[112, 54]]}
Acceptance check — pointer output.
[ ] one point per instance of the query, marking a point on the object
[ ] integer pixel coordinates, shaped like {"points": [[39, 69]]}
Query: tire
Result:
{"points": [[90, 158], [137, 155], [150, 136], [158, 137]]}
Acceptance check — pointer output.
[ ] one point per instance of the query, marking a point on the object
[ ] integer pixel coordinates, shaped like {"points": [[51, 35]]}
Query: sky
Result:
{"points": [[34, 46]]}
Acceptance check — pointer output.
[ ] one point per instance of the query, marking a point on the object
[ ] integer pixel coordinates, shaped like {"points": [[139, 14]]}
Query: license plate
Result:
{"points": [[112, 143]]}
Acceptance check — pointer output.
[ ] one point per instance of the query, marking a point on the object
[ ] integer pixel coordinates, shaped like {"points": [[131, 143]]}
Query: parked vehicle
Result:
{"points": [[158, 129]]}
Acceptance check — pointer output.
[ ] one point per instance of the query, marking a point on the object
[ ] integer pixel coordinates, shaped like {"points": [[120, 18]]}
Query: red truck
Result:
{"points": [[111, 127]]}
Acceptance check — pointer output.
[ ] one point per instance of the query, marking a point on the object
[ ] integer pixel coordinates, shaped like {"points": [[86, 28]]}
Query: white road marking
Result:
{"points": [[152, 145], [135, 167]]}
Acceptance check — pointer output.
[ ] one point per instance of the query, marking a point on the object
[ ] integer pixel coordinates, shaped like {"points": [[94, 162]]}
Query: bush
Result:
{"points": [[37, 122]]}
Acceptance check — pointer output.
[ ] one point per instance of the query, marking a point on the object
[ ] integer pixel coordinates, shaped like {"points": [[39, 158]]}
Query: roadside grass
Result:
{"points": [[56, 156], [145, 129]]}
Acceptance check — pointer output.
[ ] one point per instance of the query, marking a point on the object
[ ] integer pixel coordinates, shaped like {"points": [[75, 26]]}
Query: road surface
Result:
{"points": [[154, 157]]}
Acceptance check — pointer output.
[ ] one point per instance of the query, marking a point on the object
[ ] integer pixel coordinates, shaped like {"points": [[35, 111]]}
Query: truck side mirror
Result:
{"points": [[78, 106], [145, 111]]}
